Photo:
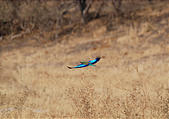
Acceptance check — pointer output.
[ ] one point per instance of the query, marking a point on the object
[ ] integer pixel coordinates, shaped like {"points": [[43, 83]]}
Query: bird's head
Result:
{"points": [[99, 57]]}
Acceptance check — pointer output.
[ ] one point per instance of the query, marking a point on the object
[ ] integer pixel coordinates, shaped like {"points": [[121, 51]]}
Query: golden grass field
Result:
{"points": [[131, 81]]}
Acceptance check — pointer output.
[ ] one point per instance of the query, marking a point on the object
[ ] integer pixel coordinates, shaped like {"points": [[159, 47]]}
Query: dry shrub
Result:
{"points": [[83, 100], [12, 106], [16, 16], [6, 10], [36, 14], [135, 104], [6, 15], [160, 105]]}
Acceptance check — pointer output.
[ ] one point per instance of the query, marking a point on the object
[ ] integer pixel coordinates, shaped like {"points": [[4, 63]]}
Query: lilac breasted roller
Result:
{"points": [[85, 64]]}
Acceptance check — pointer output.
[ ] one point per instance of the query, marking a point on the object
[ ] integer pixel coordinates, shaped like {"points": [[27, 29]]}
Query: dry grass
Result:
{"points": [[131, 82]]}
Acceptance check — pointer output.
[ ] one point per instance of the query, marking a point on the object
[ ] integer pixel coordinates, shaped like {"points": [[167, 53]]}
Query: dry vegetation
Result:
{"points": [[130, 82]]}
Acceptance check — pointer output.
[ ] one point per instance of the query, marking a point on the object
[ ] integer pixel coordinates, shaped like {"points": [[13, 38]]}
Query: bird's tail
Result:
{"points": [[69, 67]]}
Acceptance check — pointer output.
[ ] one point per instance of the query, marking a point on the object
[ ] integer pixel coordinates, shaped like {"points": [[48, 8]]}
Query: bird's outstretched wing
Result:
{"points": [[84, 62], [79, 66], [95, 60]]}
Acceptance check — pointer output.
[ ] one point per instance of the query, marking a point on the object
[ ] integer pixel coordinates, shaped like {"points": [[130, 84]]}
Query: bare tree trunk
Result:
{"points": [[97, 14], [117, 7], [84, 8]]}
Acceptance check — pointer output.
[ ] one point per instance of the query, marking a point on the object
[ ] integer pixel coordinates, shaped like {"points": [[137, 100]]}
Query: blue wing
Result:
{"points": [[95, 60], [79, 66], [85, 64]]}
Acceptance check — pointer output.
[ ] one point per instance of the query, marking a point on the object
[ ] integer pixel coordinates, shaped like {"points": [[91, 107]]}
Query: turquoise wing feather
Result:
{"points": [[81, 65], [95, 60]]}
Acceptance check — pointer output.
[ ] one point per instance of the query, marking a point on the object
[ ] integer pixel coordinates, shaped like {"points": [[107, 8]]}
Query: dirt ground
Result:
{"points": [[131, 81]]}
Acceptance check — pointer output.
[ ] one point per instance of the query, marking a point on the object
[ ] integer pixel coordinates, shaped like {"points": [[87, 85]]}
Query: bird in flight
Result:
{"points": [[85, 64]]}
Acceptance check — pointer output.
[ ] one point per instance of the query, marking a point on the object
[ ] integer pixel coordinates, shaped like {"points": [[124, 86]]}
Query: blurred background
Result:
{"points": [[40, 38]]}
